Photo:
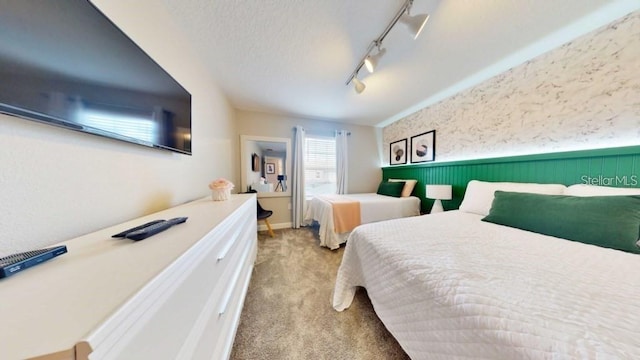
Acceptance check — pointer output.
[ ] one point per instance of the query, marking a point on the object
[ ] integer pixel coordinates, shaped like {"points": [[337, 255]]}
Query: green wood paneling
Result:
{"points": [[611, 167]]}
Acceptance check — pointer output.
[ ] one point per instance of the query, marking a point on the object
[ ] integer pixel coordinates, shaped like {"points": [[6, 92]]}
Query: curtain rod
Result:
{"points": [[335, 131]]}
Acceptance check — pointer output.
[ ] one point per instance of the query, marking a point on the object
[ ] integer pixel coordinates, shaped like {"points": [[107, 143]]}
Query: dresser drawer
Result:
{"points": [[219, 330], [179, 303]]}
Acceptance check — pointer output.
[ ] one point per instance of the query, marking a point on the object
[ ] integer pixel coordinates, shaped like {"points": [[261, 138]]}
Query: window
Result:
{"points": [[319, 165], [136, 124]]}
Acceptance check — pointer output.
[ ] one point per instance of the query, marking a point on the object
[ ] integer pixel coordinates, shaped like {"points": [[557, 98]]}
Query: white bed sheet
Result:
{"points": [[373, 207], [450, 286]]}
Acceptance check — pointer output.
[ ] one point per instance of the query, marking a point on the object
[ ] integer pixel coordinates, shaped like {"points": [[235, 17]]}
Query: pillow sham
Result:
{"points": [[606, 221], [390, 188], [479, 194], [408, 186], [595, 190]]}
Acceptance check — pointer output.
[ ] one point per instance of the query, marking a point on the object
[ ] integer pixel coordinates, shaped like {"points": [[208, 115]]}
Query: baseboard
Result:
{"points": [[263, 227]]}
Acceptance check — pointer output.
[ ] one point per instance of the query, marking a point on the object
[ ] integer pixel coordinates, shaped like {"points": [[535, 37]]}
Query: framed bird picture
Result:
{"points": [[398, 152], [423, 147]]}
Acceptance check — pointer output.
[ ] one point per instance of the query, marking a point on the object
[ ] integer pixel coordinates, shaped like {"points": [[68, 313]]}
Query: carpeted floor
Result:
{"points": [[287, 313]]}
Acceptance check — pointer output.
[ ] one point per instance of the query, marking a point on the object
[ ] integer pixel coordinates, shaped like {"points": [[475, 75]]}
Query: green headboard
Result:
{"points": [[618, 167]]}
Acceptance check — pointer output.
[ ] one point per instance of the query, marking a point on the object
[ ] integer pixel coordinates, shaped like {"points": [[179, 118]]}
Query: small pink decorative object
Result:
{"points": [[221, 189]]}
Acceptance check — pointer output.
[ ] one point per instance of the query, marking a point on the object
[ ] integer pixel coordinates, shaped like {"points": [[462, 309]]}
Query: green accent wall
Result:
{"points": [[619, 167]]}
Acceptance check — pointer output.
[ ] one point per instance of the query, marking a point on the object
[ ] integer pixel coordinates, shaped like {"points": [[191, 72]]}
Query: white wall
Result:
{"points": [[582, 95], [57, 184]]}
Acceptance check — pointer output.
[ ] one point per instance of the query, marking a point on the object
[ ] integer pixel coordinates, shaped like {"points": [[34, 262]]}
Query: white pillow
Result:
{"points": [[479, 194], [594, 190], [408, 186]]}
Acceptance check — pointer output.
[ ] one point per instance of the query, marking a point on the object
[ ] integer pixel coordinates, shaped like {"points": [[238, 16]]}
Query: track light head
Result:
{"points": [[359, 85], [415, 23], [371, 61]]}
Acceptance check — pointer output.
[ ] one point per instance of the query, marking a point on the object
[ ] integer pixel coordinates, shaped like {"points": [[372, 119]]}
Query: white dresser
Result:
{"points": [[175, 295]]}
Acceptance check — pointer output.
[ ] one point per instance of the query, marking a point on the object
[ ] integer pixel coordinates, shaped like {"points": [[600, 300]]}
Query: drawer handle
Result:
{"points": [[233, 284], [229, 245]]}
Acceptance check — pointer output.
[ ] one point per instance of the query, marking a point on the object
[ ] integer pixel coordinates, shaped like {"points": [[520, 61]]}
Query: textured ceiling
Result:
{"points": [[294, 57]]}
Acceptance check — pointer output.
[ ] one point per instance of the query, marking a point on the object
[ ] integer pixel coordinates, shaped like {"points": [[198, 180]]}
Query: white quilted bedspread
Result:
{"points": [[449, 286], [373, 207]]}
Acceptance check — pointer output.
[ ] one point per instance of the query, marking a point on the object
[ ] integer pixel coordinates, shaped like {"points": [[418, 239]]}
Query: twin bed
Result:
{"points": [[338, 215], [472, 283]]}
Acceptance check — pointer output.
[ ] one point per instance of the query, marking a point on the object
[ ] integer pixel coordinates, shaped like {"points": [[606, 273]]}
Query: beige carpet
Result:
{"points": [[287, 313]]}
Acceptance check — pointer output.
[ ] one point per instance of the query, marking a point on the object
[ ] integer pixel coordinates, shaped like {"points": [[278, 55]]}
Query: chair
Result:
{"points": [[263, 214]]}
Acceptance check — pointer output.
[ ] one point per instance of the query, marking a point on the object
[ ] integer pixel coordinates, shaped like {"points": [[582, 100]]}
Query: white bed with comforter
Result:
{"points": [[449, 285], [373, 207]]}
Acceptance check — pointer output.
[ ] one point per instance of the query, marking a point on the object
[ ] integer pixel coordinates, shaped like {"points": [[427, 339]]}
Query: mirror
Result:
{"points": [[265, 165]]}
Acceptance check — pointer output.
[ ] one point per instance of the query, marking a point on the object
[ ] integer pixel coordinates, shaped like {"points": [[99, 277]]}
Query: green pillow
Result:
{"points": [[391, 188], [607, 221]]}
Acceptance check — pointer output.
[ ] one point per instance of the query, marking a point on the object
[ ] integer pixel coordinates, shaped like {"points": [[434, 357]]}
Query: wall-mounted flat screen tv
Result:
{"points": [[63, 62]]}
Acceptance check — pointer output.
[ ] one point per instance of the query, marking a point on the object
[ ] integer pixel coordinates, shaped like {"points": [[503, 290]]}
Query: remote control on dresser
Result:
{"points": [[139, 227], [154, 229]]}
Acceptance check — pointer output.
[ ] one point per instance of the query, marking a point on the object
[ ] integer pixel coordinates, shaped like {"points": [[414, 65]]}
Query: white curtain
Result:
{"points": [[341, 161], [297, 183]]}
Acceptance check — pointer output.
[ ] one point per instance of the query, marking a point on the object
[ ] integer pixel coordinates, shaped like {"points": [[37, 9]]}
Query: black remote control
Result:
{"points": [[124, 233], [154, 229]]}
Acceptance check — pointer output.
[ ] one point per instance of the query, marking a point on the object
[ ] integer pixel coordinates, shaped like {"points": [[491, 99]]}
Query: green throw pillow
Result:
{"points": [[391, 188], [607, 221]]}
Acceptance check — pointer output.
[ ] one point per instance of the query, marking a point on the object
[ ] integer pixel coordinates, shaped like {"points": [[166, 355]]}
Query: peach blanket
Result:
{"points": [[346, 213]]}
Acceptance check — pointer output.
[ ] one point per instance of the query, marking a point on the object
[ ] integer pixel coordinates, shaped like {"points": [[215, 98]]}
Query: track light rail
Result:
{"points": [[415, 24], [378, 41]]}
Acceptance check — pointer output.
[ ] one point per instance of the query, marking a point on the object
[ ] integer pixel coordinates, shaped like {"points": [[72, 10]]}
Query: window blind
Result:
{"points": [[320, 165]]}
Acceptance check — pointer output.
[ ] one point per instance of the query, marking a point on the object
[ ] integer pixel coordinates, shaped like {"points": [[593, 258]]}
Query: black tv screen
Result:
{"points": [[64, 63]]}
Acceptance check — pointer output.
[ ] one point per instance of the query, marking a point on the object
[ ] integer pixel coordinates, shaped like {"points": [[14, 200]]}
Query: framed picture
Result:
{"points": [[255, 162], [423, 147], [398, 152], [271, 168]]}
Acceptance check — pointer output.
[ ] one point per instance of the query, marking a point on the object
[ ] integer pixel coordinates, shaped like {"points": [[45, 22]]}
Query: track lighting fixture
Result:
{"points": [[371, 61], [359, 85], [414, 23]]}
